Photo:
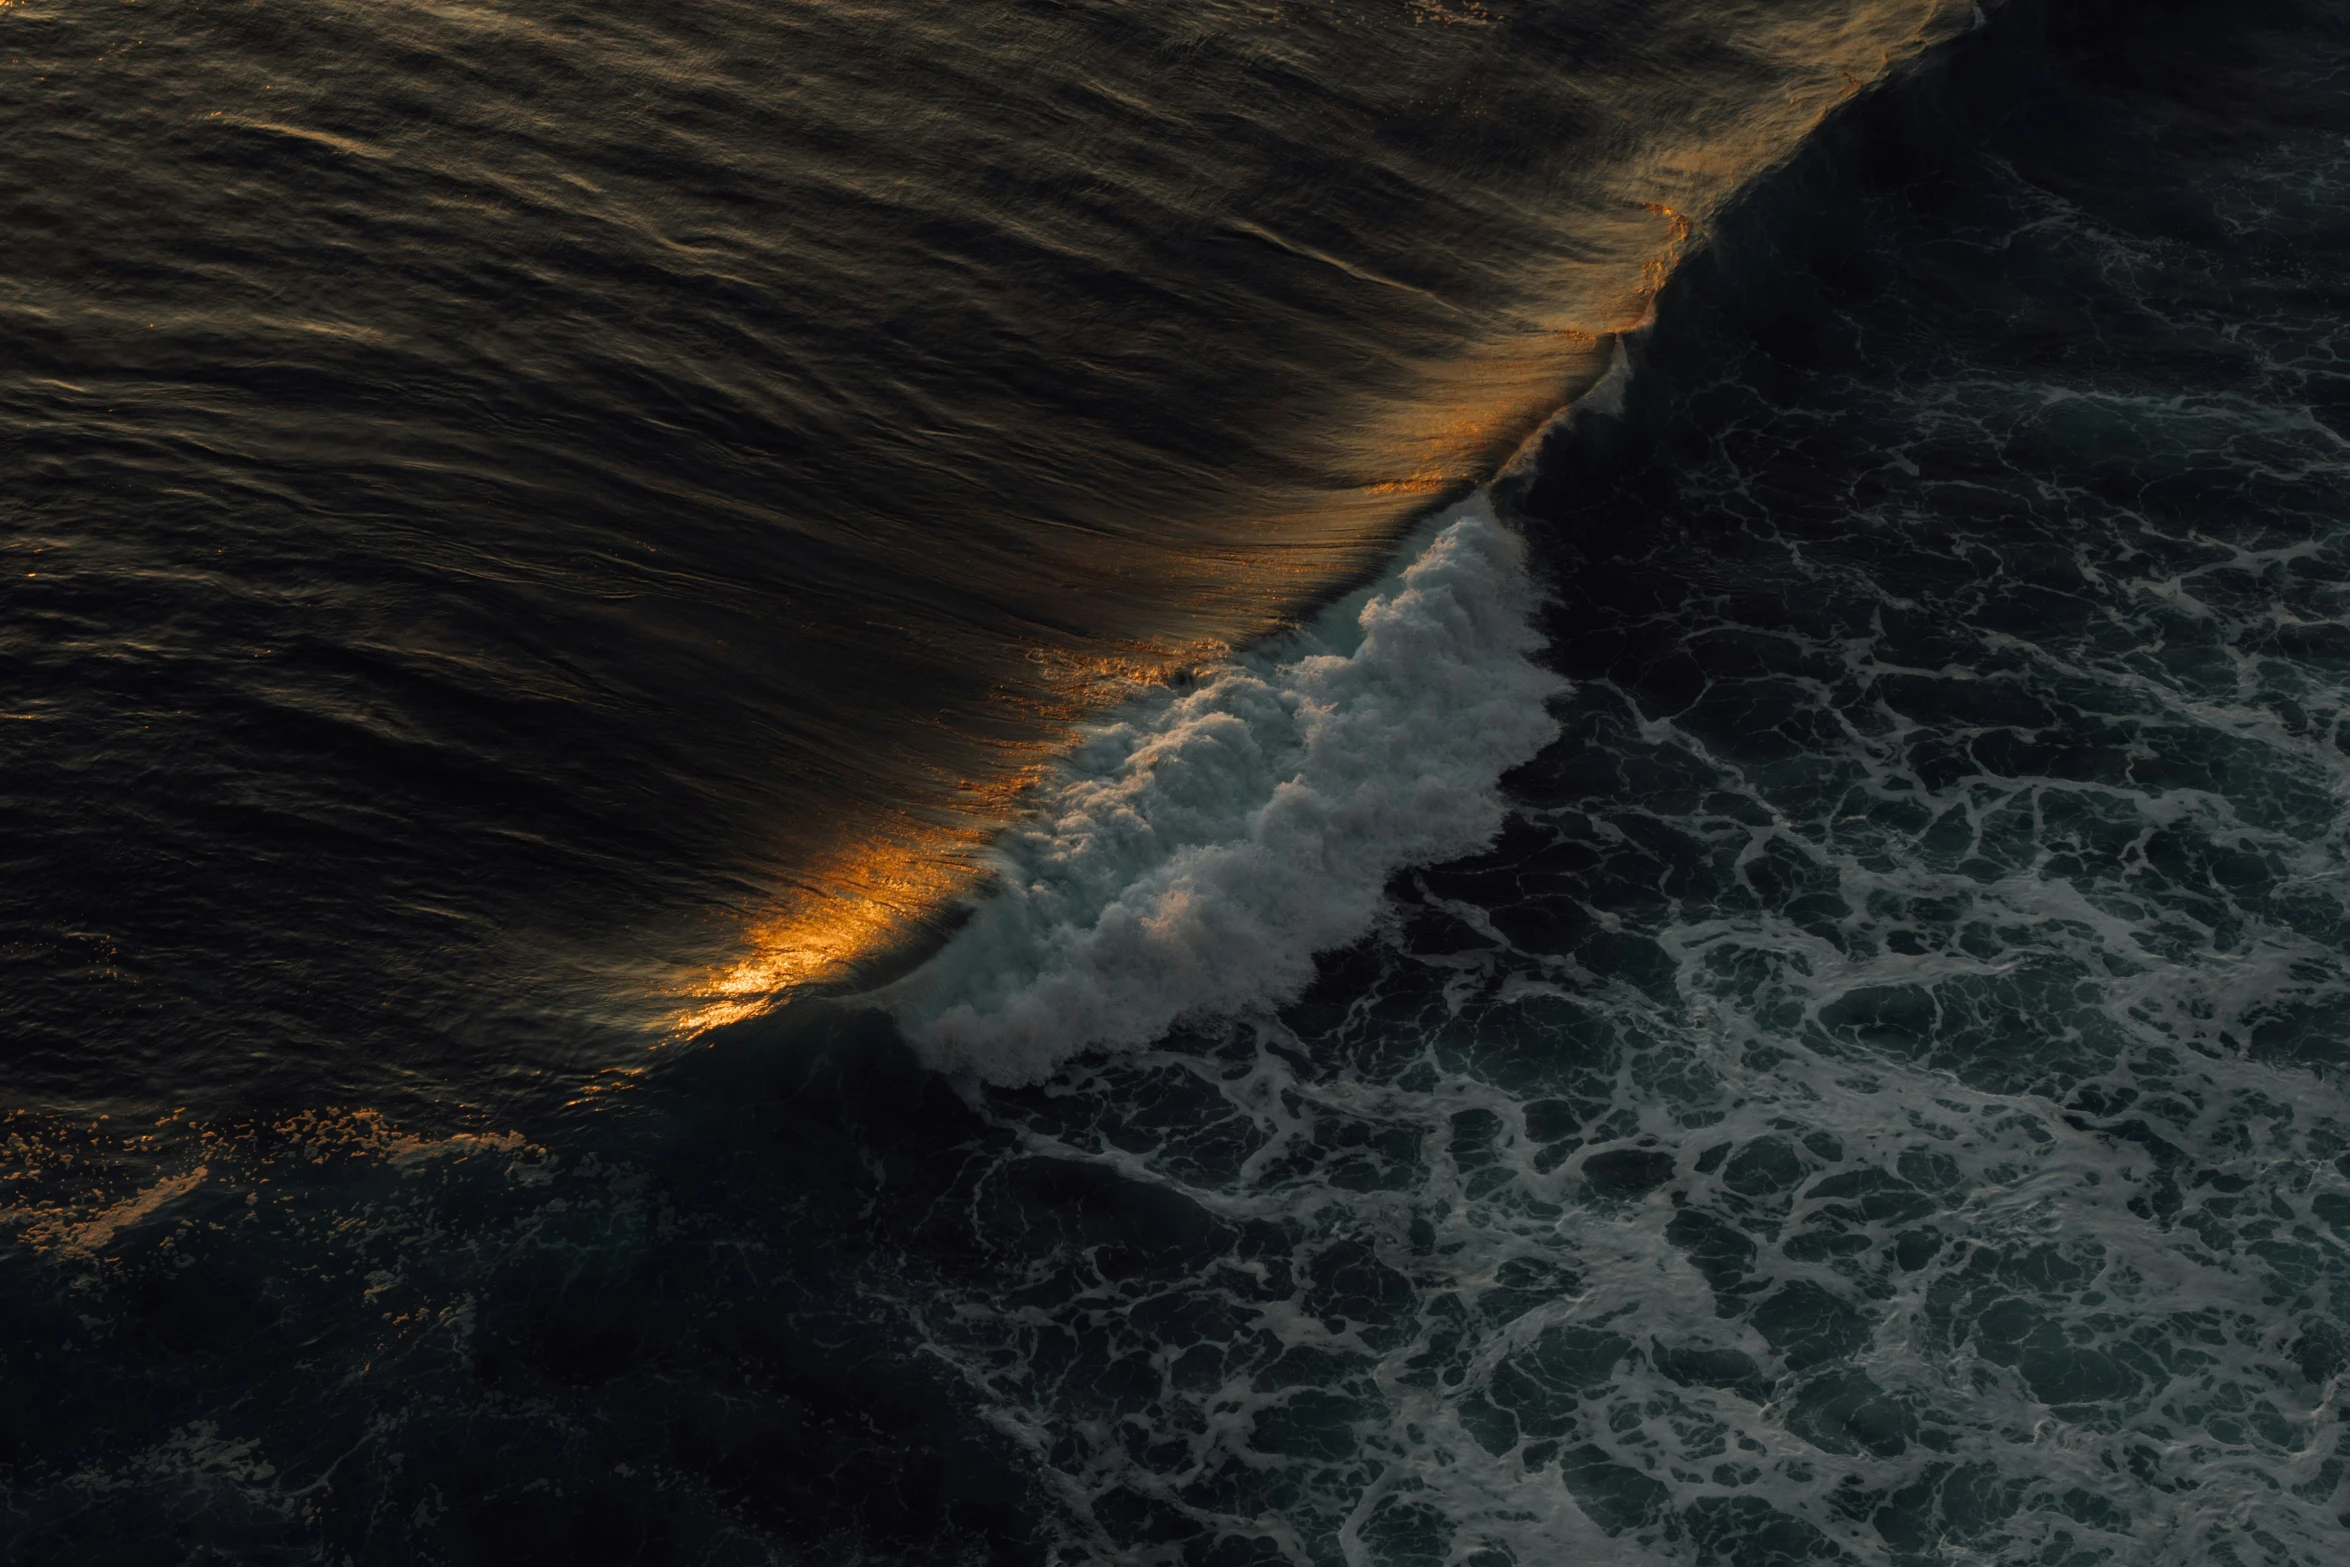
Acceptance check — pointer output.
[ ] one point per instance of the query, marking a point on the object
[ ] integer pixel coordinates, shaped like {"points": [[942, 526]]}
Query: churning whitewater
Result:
{"points": [[1202, 845]]}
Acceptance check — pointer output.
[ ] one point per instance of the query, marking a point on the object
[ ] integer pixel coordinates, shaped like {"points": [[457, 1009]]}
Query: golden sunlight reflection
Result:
{"points": [[871, 896], [1203, 588], [74, 1186], [859, 901]]}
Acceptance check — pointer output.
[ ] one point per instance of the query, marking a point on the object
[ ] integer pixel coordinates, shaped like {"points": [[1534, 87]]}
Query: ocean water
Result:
{"points": [[1740, 956], [542, 521]]}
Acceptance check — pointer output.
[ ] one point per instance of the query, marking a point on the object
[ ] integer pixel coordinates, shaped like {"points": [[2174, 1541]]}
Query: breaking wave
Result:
{"points": [[1203, 844]]}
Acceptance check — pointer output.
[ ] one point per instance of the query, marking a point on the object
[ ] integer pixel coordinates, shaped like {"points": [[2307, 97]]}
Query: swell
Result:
{"points": [[629, 472]]}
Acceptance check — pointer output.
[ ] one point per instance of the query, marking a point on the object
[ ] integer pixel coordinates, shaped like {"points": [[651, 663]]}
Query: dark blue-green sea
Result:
{"points": [[1259, 783]]}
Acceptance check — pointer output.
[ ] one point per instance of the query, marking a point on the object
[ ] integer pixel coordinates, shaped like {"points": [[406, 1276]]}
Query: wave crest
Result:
{"points": [[1198, 850]]}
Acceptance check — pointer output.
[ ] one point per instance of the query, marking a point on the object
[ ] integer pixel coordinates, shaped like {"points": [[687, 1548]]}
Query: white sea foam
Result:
{"points": [[1201, 846]]}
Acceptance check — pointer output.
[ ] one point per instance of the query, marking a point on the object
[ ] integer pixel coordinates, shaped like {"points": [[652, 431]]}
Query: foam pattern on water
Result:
{"points": [[1881, 1100]]}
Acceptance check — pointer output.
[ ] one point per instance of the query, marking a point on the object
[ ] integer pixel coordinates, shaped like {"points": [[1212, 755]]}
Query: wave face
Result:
{"points": [[1200, 848], [536, 523]]}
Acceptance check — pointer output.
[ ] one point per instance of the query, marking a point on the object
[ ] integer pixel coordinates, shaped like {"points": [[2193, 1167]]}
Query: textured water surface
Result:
{"points": [[1878, 1098], [527, 518]]}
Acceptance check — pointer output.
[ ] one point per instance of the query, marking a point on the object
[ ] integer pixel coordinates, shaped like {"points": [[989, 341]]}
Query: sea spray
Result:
{"points": [[1202, 845]]}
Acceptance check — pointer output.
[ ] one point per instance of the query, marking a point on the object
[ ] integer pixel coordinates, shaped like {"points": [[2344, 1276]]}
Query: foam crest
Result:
{"points": [[1199, 848]]}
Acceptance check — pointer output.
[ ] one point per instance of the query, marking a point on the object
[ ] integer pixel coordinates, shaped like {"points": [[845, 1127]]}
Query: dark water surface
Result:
{"points": [[1878, 1097], [510, 496]]}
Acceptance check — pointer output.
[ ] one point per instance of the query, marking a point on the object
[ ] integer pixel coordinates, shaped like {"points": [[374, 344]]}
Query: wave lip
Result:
{"points": [[1200, 847]]}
